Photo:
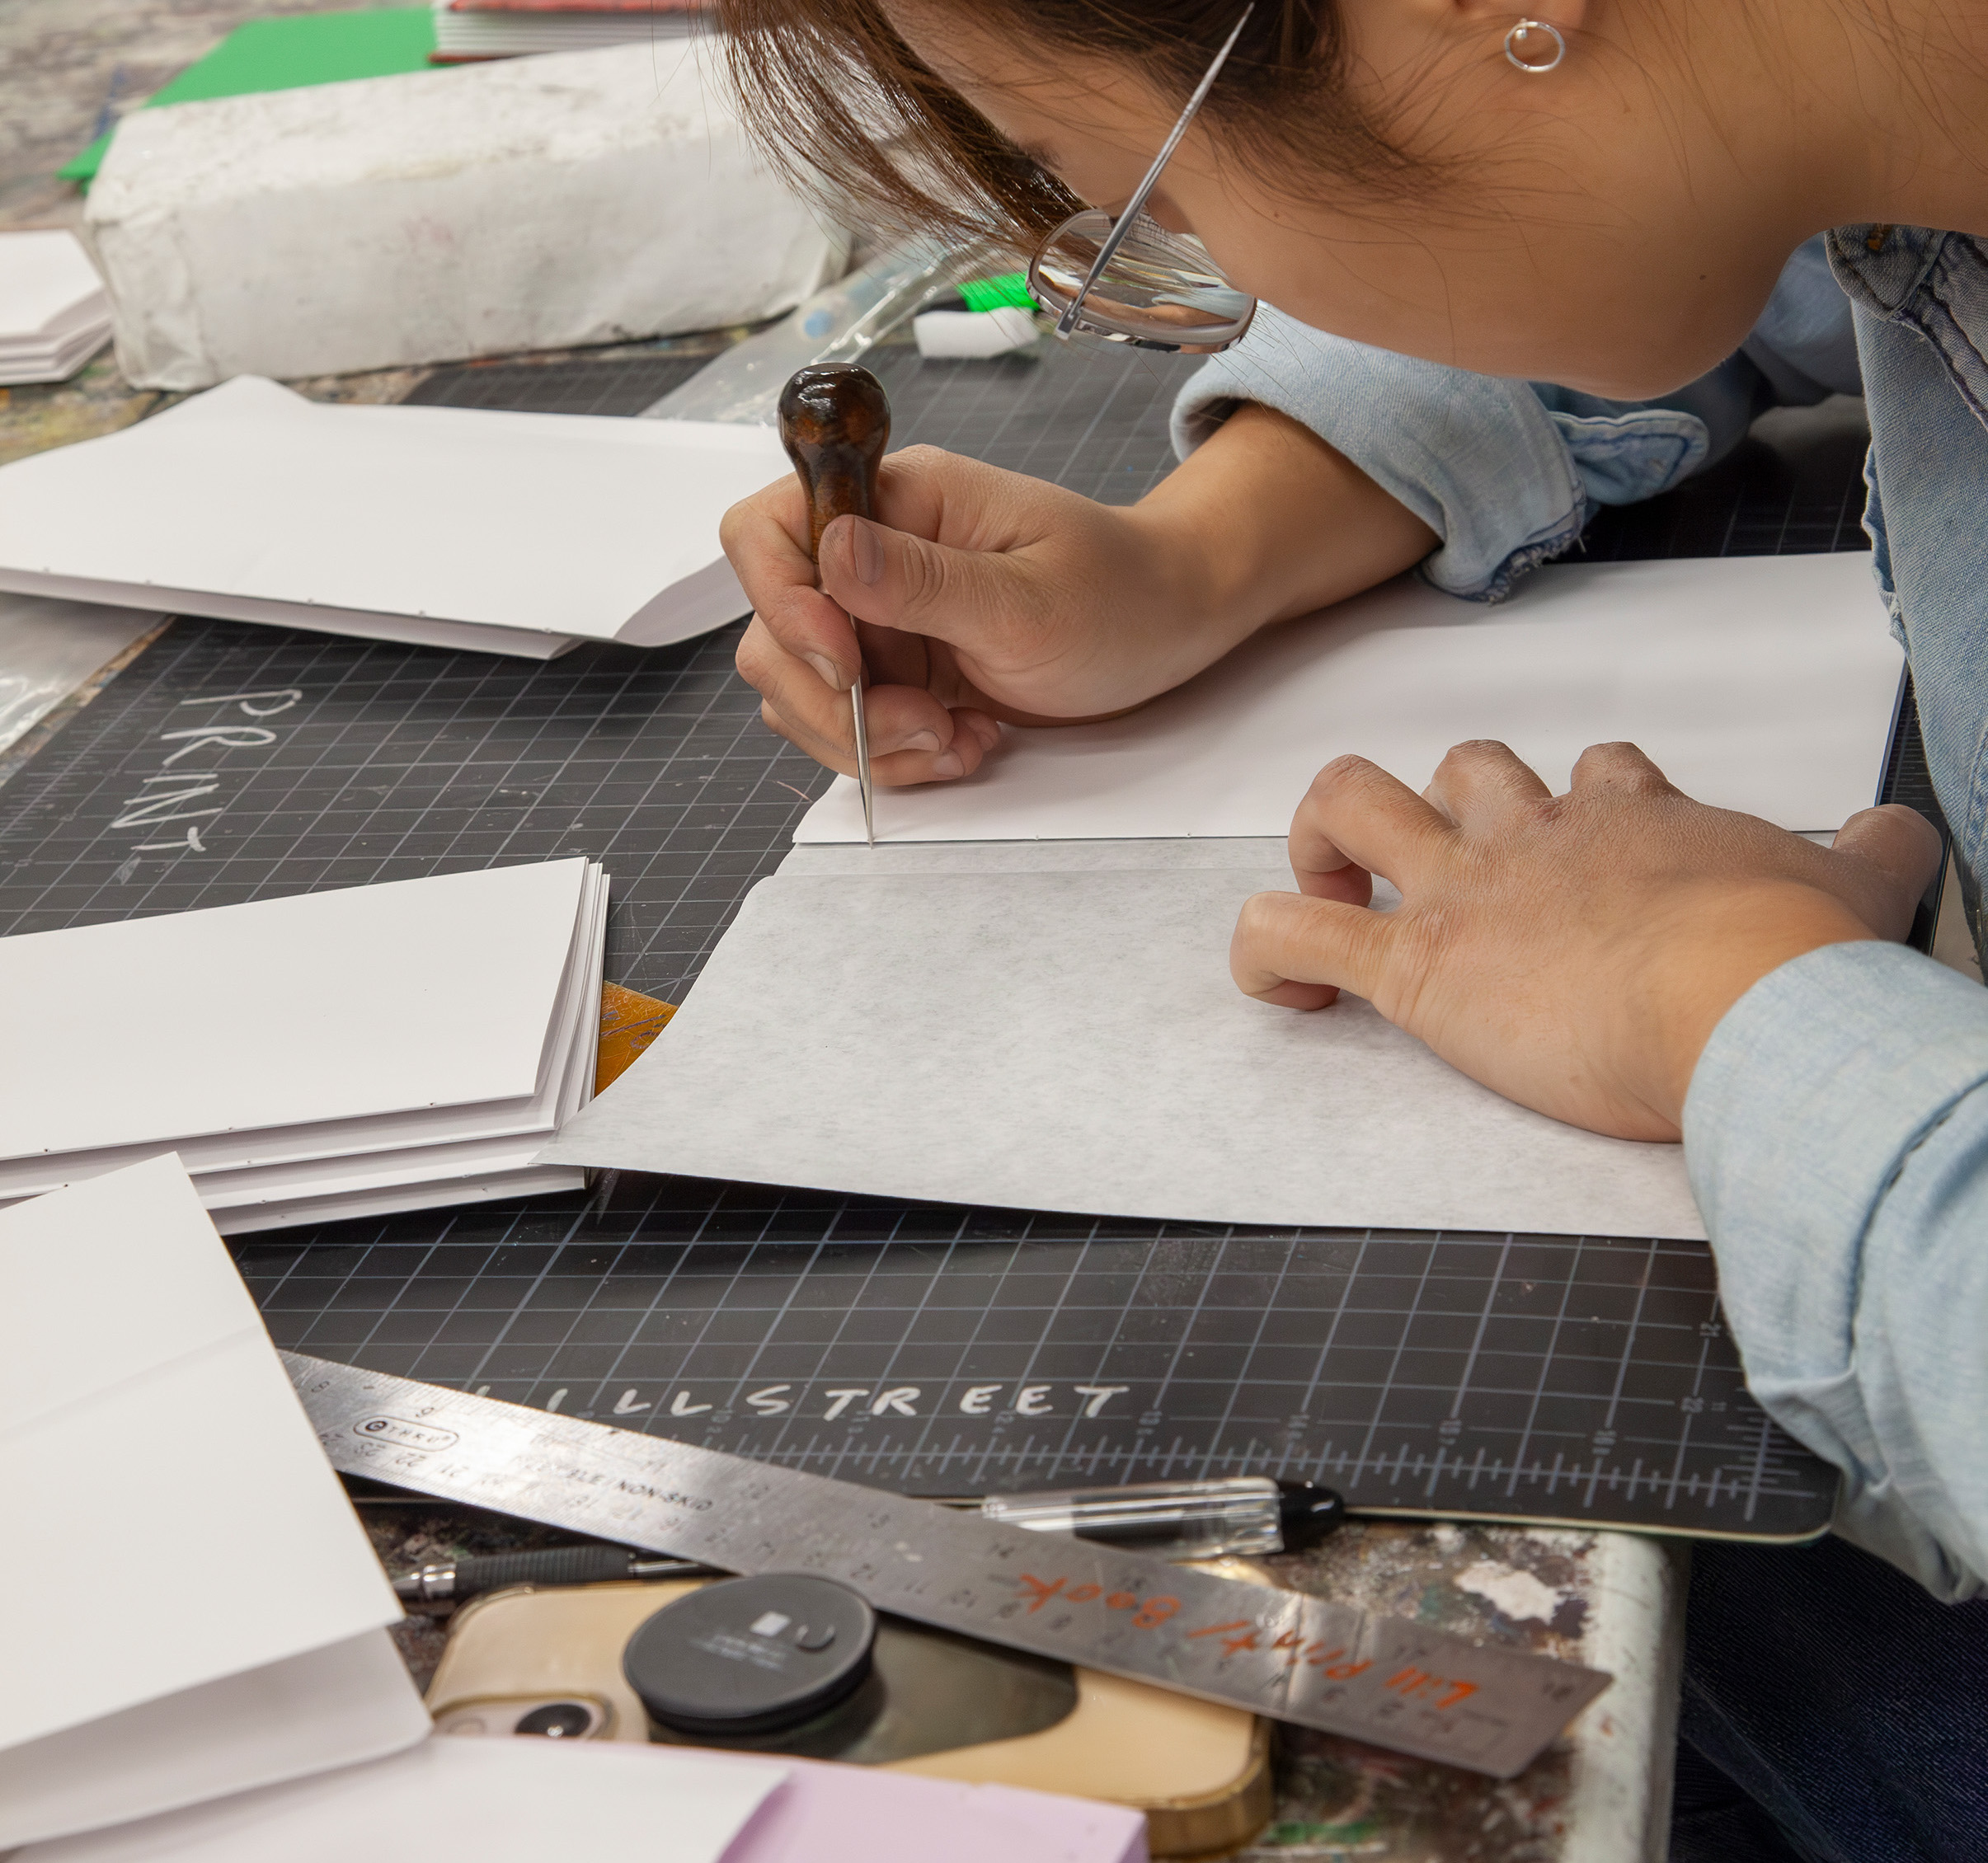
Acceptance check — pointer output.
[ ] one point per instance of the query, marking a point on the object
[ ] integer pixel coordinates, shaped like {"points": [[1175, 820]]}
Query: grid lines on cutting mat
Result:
{"points": [[947, 1350], [396, 761], [626, 387]]}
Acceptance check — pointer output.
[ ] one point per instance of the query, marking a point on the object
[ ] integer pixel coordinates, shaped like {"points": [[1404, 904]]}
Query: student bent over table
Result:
{"points": [[1603, 197]]}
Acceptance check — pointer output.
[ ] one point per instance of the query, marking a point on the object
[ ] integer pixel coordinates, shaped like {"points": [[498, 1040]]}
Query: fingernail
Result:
{"points": [[921, 740], [866, 553], [948, 765], [829, 671]]}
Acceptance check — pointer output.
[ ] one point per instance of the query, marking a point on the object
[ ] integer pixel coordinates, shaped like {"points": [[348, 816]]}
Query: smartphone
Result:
{"points": [[549, 1663]]}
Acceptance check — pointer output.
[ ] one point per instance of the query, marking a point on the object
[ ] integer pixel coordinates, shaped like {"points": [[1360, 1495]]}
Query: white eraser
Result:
{"points": [[974, 335]]}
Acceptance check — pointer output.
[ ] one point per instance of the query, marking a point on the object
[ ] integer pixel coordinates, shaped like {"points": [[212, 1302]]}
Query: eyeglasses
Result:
{"points": [[1128, 279]]}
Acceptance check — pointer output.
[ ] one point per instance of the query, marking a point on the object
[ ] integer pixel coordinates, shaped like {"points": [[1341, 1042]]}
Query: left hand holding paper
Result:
{"points": [[1573, 952]]}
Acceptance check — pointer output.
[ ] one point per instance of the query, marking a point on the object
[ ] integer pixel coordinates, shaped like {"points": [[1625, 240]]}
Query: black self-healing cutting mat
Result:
{"points": [[939, 1350]]}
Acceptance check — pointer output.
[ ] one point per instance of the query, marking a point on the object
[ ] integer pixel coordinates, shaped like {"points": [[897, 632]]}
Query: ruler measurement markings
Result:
{"points": [[1264, 1310], [1323, 1664]]}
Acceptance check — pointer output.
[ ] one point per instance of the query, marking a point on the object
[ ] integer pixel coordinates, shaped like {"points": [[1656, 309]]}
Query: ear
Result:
{"points": [[1476, 16], [1568, 15]]}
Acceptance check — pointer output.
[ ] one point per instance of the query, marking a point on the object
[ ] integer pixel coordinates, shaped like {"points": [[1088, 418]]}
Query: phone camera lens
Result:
{"points": [[556, 1720]]}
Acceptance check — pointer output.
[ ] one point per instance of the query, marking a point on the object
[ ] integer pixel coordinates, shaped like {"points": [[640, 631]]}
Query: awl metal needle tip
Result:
{"points": [[862, 764]]}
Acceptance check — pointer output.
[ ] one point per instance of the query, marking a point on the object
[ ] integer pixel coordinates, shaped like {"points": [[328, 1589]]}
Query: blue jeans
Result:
{"points": [[1833, 1713]]}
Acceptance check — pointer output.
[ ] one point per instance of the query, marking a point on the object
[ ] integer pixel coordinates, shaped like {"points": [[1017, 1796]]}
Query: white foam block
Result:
{"points": [[518, 533], [589, 197], [1764, 684], [1072, 1040]]}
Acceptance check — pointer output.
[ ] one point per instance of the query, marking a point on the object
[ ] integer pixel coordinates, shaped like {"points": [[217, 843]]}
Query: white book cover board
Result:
{"points": [[1764, 684], [1072, 1040], [252, 503], [127, 1340], [466, 1800], [319, 1006]]}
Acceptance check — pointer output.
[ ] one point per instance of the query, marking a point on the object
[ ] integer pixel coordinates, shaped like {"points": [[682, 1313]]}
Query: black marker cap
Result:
{"points": [[751, 1655], [1306, 1513]]}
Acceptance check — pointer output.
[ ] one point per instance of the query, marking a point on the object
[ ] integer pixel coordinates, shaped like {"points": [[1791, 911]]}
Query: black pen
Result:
{"points": [[1242, 1516]]}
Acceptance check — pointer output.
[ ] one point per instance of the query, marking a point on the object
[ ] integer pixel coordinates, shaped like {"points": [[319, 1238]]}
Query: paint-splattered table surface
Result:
{"points": [[1600, 1795], [69, 67]]}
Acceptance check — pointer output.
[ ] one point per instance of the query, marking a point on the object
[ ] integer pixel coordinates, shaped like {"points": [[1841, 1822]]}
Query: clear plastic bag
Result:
{"points": [[840, 323]]}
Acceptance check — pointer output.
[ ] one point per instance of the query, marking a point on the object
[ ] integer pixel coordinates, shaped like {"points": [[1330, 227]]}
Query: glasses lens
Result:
{"points": [[1160, 291]]}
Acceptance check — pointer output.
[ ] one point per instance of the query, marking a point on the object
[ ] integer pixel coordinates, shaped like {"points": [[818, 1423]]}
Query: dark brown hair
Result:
{"points": [[842, 105]]}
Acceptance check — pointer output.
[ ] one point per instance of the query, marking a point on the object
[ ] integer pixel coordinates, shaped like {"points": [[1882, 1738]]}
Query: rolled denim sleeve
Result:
{"points": [[1505, 480], [1837, 1134]]}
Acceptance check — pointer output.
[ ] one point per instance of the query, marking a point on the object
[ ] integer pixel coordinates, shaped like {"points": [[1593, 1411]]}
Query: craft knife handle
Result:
{"points": [[456, 1579], [835, 423]]}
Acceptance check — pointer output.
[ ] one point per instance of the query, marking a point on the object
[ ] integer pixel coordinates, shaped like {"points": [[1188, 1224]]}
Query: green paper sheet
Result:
{"points": [[283, 54]]}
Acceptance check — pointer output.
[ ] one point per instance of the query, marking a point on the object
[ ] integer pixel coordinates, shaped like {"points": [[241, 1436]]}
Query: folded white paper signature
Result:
{"points": [[454, 527], [138, 1391], [1761, 683]]}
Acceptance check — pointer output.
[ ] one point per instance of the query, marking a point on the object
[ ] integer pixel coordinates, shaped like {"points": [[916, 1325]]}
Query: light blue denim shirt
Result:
{"points": [[1837, 1125], [1507, 473]]}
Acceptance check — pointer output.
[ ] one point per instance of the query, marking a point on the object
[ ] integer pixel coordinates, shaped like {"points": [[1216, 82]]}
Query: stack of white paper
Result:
{"points": [[332, 1055], [54, 313], [513, 534], [147, 1666]]}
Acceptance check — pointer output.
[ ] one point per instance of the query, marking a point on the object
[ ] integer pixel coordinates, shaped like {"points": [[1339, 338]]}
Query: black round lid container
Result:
{"points": [[751, 1655]]}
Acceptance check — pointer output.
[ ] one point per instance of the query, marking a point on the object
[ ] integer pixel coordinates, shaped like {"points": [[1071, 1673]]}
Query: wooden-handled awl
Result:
{"points": [[835, 423]]}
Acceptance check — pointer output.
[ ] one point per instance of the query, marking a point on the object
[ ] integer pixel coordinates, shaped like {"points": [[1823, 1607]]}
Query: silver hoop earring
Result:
{"points": [[1521, 30]]}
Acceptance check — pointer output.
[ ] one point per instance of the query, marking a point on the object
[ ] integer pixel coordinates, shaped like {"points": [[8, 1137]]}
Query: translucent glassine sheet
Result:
{"points": [[1764, 684], [1072, 1040]]}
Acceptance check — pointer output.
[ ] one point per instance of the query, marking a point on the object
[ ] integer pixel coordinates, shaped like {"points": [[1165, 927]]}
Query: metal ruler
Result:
{"points": [[1382, 1679]]}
